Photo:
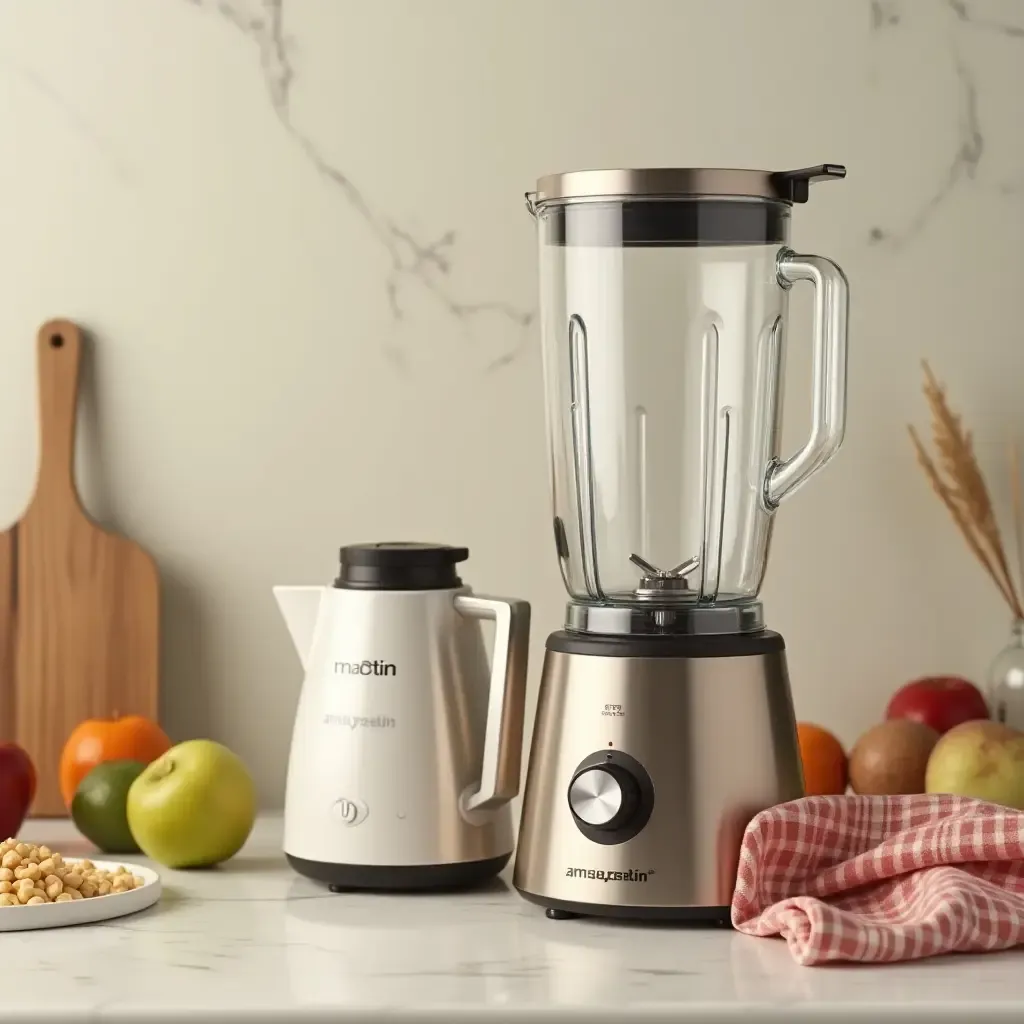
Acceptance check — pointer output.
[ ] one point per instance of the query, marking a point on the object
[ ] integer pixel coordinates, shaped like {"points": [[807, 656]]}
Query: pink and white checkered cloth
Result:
{"points": [[880, 879]]}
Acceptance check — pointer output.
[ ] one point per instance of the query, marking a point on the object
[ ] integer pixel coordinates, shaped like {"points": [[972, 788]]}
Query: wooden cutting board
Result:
{"points": [[79, 606]]}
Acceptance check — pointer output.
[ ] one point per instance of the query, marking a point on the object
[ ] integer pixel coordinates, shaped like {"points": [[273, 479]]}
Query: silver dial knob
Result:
{"points": [[596, 797]]}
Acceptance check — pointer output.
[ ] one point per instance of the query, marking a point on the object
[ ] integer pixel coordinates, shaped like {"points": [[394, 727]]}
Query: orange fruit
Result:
{"points": [[826, 768], [95, 741]]}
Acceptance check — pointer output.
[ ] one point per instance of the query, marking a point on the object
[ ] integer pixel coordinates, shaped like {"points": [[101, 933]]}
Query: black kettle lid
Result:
{"points": [[400, 565]]}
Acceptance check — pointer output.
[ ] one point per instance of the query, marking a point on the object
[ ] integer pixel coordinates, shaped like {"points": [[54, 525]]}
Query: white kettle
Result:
{"points": [[407, 746]]}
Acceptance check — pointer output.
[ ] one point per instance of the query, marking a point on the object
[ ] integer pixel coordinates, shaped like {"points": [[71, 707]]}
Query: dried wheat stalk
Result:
{"points": [[1018, 508], [957, 479]]}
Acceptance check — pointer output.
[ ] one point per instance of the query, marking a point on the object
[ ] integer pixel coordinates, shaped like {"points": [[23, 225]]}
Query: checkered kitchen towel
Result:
{"points": [[880, 879]]}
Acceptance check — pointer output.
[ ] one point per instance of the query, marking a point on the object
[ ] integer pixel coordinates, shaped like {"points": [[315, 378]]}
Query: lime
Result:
{"points": [[100, 802]]}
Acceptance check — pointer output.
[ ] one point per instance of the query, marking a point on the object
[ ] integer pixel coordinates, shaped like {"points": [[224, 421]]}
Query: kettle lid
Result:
{"points": [[400, 565]]}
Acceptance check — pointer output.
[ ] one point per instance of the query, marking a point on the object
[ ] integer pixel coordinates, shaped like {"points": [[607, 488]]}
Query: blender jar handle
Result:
{"points": [[506, 702], [828, 410]]}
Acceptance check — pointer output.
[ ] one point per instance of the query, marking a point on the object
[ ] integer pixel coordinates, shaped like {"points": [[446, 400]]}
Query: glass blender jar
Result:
{"points": [[664, 297], [663, 303]]}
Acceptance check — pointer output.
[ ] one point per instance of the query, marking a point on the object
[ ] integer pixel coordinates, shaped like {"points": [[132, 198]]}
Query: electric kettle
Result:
{"points": [[407, 744]]}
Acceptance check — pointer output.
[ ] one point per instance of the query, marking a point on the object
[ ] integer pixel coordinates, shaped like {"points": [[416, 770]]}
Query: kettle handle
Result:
{"points": [[506, 701]]}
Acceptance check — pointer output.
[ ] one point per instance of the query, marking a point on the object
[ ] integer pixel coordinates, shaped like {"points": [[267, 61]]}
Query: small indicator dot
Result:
{"points": [[610, 744]]}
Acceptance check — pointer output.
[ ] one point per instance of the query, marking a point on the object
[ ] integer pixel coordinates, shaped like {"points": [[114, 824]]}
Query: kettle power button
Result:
{"points": [[349, 812]]}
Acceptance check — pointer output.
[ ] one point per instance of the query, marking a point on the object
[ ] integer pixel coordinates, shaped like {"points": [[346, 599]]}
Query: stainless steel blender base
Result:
{"points": [[650, 756]]}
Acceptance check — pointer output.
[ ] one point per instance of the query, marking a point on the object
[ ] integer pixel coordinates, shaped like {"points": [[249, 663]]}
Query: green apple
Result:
{"points": [[192, 807], [981, 759]]}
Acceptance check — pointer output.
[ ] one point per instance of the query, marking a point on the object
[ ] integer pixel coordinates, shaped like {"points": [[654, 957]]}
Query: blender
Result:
{"points": [[664, 720]]}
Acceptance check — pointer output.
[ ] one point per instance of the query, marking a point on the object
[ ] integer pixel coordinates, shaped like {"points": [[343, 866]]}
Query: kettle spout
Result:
{"points": [[300, 607]]}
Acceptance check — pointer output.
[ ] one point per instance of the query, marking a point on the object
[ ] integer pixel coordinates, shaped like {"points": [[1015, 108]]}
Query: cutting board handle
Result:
{"points": [[59, 349]]}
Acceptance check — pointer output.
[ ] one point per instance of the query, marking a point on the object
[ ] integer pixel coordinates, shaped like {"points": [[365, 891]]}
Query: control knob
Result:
{"points": [[605, 797]]}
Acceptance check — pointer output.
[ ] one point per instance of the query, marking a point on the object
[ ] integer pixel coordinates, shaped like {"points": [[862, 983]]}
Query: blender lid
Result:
{"points": [[680, 182]]}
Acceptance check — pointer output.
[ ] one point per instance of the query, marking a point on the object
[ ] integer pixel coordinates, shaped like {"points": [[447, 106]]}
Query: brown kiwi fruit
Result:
{"points": [[892, 758]]}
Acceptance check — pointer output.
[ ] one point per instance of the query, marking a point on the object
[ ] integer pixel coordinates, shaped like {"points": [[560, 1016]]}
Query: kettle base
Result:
{"points": [[400, 877]]}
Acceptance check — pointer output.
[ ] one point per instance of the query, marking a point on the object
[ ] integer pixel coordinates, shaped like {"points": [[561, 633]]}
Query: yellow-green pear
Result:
{"points": [[979, 759]]}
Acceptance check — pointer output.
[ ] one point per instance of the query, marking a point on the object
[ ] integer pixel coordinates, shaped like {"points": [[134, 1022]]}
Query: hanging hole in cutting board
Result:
{"points": [[57, 340]]}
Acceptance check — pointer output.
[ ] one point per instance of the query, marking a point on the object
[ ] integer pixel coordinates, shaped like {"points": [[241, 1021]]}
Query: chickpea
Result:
{"points": [[30, 875]]}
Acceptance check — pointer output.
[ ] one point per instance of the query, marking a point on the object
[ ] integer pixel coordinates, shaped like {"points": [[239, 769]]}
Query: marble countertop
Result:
{"points": [[253, 941]]}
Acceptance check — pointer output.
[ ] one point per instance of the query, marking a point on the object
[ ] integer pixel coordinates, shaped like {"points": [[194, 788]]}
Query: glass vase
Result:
{"points": [[1006, 681]]}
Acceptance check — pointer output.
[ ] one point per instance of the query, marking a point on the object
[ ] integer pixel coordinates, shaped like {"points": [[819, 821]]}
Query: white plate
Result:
{"points": [[98, 908]]}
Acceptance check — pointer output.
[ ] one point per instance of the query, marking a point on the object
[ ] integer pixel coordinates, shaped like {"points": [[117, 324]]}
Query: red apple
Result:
{"points": [[942, 702], [17, 788]]}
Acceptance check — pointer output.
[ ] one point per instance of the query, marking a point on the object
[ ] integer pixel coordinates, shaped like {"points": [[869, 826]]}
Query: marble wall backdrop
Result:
{"points": [[296, 230]]}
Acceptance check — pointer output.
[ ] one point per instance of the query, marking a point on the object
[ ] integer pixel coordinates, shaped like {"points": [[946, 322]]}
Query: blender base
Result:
{"points": [[650, 756], [566, 910]]}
